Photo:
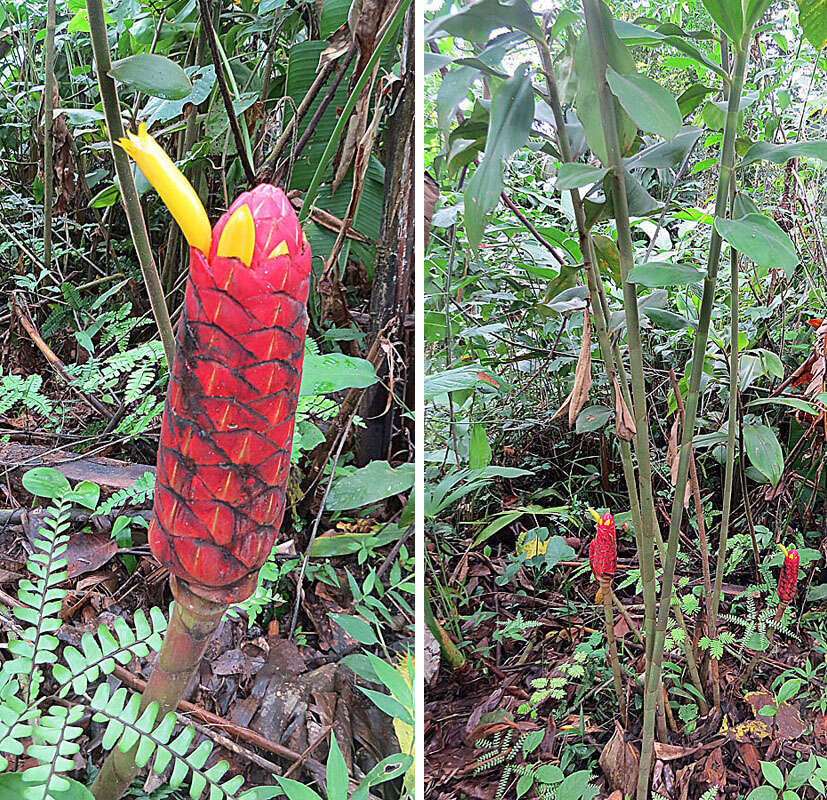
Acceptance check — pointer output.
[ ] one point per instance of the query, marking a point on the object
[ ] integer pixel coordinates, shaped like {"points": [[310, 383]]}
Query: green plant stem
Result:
{"points": [[193, 622], [344, 116], [729, 469], [129, 194], [48, 139], [727, 161], [617, 676], [614, 370], [597, 48]]}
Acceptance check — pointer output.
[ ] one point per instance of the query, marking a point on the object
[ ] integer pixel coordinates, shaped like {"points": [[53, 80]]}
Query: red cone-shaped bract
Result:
{"points": [[788, 579], [227, 428], [603, 549]]}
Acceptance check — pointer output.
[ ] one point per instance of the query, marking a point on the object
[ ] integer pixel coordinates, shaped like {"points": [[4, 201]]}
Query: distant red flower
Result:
{"points": [[788, 579], [603, 548]]}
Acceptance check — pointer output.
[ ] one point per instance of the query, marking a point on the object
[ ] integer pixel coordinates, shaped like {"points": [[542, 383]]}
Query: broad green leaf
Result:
{"points": [[369, 484], [761, 240], [295, 790], [656, 274], [454, 380], [772, 774], [573, 176], [666, 155], [160, 110], [791, 402], [452, 91], [763, 793], [691, 98], [592, 418], [729, 17], [666, 320], [337, 775], [779, 153], [652, 107], [477, 20], [153, 75], [331, 372], [512, 112], [586, 101], [45, 482], [357, 628], [480, 449], [764, 451], [813, 17]]}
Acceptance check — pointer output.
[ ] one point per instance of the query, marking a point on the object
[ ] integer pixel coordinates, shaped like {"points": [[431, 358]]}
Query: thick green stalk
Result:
{"points": [[729, 471], [48, 139], [129, 194], [193, 622], [727, 162], [617, 676], [597, 48]]}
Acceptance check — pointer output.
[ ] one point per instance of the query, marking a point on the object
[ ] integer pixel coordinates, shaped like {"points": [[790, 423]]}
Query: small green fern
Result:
{"points": [[137, 494]]}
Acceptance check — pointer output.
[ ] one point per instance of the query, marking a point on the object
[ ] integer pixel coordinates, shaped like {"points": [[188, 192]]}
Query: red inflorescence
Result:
{"points": [[788, 579], [603, 549], [227, 429]]}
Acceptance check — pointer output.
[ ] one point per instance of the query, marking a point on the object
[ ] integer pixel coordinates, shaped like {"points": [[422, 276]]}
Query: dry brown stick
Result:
{"points": [[626, 618], [308, 750], [21, 311], [532, 229], [234, 747]]}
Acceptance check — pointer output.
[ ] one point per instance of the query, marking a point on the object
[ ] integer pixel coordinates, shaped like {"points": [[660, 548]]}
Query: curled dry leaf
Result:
{"points": [[619, 762], [582, 375], [672, 458], [624, 421]]}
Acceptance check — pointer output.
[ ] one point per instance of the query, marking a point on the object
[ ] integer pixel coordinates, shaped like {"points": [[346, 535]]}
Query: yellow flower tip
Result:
{"points": [[238, 239], [279, 250], [597, 518], [174, 189], [783, 550]]}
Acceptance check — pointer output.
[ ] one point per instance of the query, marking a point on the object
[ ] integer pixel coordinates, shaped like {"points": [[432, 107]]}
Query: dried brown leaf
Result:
{"points": [[624, 421], [583, 372]]}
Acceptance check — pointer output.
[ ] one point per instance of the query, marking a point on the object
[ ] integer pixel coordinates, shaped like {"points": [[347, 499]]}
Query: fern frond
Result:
{"points": [[42, 600], [98, 654], [137, 494], [15, 716], [54, 746], [128, 727]]}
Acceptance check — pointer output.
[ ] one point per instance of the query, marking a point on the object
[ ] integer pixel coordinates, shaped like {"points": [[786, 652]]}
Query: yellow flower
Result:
{"points": [[175, 190], [404, 731]]}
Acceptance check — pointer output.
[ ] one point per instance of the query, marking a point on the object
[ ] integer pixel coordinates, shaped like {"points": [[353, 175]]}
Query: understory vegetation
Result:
{"points": [[306, 688], [625, 293]]}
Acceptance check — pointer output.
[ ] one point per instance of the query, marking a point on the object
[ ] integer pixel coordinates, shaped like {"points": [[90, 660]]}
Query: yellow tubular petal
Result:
{"points": [[238, 238], [783, 550], [175, 190], [597, 518], [279, 250]]}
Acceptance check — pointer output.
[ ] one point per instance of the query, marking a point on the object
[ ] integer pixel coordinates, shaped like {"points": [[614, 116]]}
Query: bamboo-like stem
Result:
{"points": [[729, 469], [727, 160], [129, 194], [193, 622], [782, 607], [614, 370], [630, 623], [48, 139], [597, 48], [617, 677]]}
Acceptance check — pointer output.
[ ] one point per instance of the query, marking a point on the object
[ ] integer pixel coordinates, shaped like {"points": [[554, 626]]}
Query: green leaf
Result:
{"points": [[86, 494], [592, 418], [779, 153], [331, 372], [479, 449], [812, 14], [764, 451], [789, 689], [652, 107], [586, 100], [13, 787], [295, 790], [729, 16], [512, 112], [558, 550], [657, 274], [763, 793], [476, 21], [357, 628], [772, 774], [454, 380], [369, 484], [45, 482], [153, 75], [573, 176], [799, 775], [337, 775], [761, 240], [791, 402], [666, 320], [666, 155], [393, 708], [689, 99], [452, 91], [160, 110]]}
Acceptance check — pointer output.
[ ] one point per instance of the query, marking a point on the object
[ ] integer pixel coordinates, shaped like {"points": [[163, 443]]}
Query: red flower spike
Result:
{"points": [[603, 548], [227, 429], [788, 578]]}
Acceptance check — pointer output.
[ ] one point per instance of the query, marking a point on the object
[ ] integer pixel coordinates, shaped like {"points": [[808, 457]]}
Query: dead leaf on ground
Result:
{"points": [[787, 721], [89, 551], [619, 762]]}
